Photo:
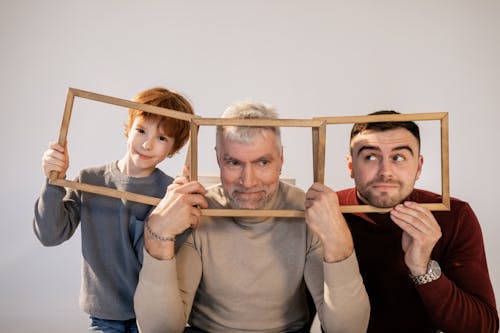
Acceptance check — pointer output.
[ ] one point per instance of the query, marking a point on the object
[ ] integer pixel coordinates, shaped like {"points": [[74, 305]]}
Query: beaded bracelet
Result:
{"points": [[156, 236]]}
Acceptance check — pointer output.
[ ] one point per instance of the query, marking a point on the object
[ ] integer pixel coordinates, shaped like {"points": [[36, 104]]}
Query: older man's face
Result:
{"points": [[250, 172]]}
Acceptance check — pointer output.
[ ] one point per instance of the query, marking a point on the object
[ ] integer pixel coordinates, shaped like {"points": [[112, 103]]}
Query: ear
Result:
{"points": [[349, 165], [282, 158], [419, 168], [218, 157]]}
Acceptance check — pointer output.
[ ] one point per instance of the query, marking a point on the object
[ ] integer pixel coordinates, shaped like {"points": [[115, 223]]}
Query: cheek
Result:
{"points": [[363, 175], [228, 177]]}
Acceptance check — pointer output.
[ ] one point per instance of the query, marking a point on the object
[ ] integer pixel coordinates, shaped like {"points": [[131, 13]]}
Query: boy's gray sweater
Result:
{"points": [[111, 230]]}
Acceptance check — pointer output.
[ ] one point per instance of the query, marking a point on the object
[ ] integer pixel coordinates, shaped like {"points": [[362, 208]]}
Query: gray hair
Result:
{"points": [[246, 134]]}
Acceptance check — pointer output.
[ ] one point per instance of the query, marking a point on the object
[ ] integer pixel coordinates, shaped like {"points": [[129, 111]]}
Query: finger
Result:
{"points": [[424, 213], [196, 200], [181, 180], [186, 171], [190, 187], [56, 146], [415, 215]]}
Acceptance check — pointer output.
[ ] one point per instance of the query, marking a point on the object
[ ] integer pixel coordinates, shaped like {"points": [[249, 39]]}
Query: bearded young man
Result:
{"points": [[424, 271]]}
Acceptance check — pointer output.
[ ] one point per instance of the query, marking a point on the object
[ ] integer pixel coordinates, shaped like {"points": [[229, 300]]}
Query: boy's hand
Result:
{"points": [[55, 159]]}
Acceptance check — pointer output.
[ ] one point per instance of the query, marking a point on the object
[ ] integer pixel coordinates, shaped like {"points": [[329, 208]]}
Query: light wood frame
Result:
{"points": [[102, 190], [445, 170], [318, 139], [318, 126]]}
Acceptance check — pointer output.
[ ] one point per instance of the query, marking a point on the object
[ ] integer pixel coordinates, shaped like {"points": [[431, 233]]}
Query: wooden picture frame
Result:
{"points": [[318, 126], [445, 169], [63, 132], [318, 138]]}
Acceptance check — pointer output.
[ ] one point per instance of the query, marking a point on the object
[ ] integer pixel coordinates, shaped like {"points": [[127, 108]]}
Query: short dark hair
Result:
{"points": [[386, 126]]}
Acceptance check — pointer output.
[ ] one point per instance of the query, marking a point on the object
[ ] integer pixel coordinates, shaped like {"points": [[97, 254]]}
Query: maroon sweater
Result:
{"points": [[462, 300]]}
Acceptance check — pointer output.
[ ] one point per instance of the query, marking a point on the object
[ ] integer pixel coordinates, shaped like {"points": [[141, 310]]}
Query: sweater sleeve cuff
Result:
{"points": [[156, 271], [342, 272]]}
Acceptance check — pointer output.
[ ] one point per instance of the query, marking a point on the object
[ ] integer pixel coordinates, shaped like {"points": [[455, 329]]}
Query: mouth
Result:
{"points": [[249, 195], [143, 157], [385, 187]]}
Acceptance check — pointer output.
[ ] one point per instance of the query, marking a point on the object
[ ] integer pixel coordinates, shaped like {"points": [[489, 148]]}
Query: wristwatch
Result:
{"points": [[433, 273]]}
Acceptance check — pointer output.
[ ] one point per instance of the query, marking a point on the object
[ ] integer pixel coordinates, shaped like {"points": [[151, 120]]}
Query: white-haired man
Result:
{"points": [[249, 274]]}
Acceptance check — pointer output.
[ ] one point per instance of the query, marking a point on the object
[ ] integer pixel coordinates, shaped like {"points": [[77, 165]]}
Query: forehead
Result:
{"points": [[153, 120], [384, 140], [262, 144]]}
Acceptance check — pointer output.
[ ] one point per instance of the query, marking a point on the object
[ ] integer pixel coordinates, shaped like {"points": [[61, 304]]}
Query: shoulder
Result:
{"points": [[290, 197], [459, 215], [94, 171], [347, 196], [161, 178], [423, 196], [216, 197]]}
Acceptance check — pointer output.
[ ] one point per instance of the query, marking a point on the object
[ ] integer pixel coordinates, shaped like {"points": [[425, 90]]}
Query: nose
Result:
{"points": [[147, 144], [248, 178], [385, 168]]}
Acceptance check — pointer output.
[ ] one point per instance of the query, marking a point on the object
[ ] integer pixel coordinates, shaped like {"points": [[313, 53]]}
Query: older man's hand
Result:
{"points": [[325, 219], [176, 212]]}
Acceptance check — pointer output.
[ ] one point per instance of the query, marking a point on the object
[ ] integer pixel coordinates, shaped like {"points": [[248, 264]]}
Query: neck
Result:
{"points": [[128, 169]]}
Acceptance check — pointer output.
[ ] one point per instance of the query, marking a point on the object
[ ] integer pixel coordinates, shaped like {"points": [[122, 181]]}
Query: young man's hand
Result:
{"points": [[420, 233]]}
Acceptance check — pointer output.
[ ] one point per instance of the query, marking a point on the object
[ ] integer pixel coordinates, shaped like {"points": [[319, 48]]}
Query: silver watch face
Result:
{"points": [[433, 273], [434, 269]]}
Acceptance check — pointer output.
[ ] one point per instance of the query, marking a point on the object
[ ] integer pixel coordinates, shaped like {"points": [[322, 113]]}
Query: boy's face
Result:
{"points": [[385, 166], [147, 145]]}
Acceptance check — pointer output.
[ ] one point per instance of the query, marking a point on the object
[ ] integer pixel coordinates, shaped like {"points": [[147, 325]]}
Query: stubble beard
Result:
{"points": [[261, 203], [382, 199]]}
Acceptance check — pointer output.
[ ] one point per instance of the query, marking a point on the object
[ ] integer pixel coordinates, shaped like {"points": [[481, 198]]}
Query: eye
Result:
{"points": [[140, 130], [398, 158], [163, 138], [370, 157], [232, 162], [263, 162]]}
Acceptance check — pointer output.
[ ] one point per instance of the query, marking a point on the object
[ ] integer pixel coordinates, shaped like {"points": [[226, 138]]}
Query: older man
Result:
{"points": [[249, 274]]}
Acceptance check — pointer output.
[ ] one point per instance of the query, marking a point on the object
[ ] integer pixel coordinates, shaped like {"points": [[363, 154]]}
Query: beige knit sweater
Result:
{"points": [[248, 274]]}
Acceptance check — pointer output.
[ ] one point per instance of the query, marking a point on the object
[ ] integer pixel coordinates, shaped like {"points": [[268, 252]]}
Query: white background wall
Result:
{"points": [[315, 58]]}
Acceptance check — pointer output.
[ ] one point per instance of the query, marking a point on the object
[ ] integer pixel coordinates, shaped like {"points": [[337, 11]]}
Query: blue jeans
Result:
{"points": [[113, 326]]}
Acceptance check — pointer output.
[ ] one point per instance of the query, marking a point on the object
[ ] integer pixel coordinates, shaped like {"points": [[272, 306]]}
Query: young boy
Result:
{"points": [[112, 229]]}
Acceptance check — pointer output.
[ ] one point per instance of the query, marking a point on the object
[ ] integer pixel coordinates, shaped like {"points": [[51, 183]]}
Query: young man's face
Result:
{"points": [[385, 166], [147, 146], [250, 172]]}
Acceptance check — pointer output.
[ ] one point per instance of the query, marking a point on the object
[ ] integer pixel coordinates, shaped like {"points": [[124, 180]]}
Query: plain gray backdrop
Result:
{"points": [[314, 58]]}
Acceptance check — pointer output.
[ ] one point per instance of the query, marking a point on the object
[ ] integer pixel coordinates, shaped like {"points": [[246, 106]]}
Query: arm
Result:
{"points": [[166, 290], [332, 272], [176, 212], [56, 217], [462, 298], [338, 292], [168, 283]]}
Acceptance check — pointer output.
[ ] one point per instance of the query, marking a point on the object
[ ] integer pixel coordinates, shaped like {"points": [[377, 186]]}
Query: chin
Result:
{"points": [[238, 204]]}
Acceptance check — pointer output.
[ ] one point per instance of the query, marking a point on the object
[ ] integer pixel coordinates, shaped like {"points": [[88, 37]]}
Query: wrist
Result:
{"points": [[432, 273], [162, 238], [336, 255], [160, 247]]}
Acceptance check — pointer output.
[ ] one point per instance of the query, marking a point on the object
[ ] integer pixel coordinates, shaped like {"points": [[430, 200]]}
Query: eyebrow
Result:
{"points": [[263, 157], [367, 147]]}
